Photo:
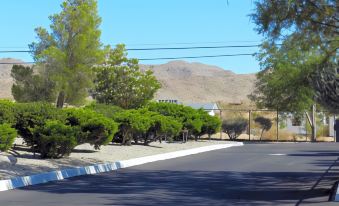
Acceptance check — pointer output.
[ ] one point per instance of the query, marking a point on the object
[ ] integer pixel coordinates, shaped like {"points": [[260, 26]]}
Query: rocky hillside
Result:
{"points": [[196, 82], [186, 82], [6, 80]]}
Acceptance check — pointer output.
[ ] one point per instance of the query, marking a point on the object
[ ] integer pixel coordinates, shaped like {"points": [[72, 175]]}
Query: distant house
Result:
{"points": [[174, 101], [296, 125], [211, 107]]}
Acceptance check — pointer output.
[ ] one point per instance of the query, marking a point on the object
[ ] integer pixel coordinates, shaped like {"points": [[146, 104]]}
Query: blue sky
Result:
{"points": [[148, 23]]}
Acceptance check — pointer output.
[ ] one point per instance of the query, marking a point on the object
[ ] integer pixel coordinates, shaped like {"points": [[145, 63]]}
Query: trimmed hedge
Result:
{"points": [[31, 115], [7, 111], [7, 137], [95, 128], [54, 139]]}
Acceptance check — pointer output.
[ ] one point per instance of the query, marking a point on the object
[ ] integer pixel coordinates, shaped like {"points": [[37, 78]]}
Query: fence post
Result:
{"points": [[277, 125], [221, 122], [249, 125]]}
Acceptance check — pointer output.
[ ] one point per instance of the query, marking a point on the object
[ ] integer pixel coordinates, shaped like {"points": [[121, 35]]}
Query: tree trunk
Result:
{"points": [[262, 132], [312, 122], [60, 100]]}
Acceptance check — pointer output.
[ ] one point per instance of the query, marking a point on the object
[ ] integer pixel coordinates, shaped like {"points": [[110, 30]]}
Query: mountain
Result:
{"points": [[180, 80], [6, 80], [196, 82]]}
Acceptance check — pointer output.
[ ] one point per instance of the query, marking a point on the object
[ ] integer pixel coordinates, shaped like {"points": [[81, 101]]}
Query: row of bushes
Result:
{"points": [[55, 132], [159, 121]]}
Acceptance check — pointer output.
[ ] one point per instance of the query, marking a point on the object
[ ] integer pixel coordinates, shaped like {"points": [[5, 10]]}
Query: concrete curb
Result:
{"points": [[334, 196], [23, 181]]}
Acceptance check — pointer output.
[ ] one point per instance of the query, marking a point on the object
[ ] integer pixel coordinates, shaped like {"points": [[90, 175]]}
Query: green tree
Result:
{"points": [[264, 123], [30, 87], [67, 54], [308, 29], [120, 81], [283, 83]]}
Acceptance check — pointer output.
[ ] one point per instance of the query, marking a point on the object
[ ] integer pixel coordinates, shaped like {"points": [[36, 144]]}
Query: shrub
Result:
{"points": [[54, 139], [166, 127], [234, 127], [211, 124], [95, 129], [107, 110], [7, 109], [31, 115], [133, 124], [7, 137], [264, 123], [189, 118]]}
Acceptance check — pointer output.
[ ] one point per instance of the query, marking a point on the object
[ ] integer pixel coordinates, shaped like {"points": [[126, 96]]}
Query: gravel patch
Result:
{"points": [[84, 155]]}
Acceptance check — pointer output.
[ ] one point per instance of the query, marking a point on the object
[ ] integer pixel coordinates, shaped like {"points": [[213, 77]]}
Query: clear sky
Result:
{"points": [[148, 23]]}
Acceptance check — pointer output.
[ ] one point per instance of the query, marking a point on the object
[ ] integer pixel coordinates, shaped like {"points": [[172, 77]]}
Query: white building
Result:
{"points": [[212, 108]]}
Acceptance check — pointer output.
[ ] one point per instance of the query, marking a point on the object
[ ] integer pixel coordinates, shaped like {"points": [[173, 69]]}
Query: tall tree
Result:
{"points": [[120, 81], [300, 53], [30, 87], [68, 53]]}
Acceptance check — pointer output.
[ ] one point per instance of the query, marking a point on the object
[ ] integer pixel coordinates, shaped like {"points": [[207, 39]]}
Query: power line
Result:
{"points": [[160, 44], [16, 63], [161, 58], [159, 48], [198, 47], [196, 57], [190, 43], [15, 51]]}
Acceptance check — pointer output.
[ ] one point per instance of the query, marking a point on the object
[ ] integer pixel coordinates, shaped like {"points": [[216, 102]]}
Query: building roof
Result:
{"points": [[205, 106]]}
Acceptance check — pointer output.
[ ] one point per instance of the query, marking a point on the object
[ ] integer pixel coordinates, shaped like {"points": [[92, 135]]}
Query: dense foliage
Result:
{"points": [[264, 123], [7, 137], [31, 87], [67, 53], [197, 122], [7, 112], [54, 132], [235, 127], [54, 139], [301, 50], [120, 81], [145, 125], [94, 128], [31, 115], [107, 110]]}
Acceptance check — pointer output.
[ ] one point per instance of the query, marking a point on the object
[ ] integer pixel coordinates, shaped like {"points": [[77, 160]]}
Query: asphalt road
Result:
{"points": [[255, 174]]}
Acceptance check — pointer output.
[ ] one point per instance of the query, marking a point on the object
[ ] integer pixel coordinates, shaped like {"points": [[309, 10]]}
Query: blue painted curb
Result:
{"points": [[18, 182]]}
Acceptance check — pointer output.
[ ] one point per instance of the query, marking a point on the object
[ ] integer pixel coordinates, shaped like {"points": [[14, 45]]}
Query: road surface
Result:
{"points": [[255, 174]]}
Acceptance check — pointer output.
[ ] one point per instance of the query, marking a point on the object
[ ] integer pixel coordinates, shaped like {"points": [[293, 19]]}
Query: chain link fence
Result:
{"points": [[271, 125]]}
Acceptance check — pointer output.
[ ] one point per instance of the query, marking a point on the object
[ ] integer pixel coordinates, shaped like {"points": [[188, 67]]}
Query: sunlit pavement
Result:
{"points": [[255, 174]]}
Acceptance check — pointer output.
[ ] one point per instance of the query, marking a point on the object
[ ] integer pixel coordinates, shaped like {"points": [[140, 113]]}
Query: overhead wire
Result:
{"points": [[164, 48]]}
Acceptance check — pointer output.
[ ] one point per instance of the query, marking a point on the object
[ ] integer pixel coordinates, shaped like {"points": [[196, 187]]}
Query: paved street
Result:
{"points": [[255, 174]]}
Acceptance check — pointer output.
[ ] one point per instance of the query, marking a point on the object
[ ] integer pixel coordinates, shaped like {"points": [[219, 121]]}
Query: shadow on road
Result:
{"points": [[135, 187]]}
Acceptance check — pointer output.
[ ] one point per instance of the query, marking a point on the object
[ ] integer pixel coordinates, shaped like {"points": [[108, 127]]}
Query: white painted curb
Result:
{"points": [[106, 167], [336, 196]]}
